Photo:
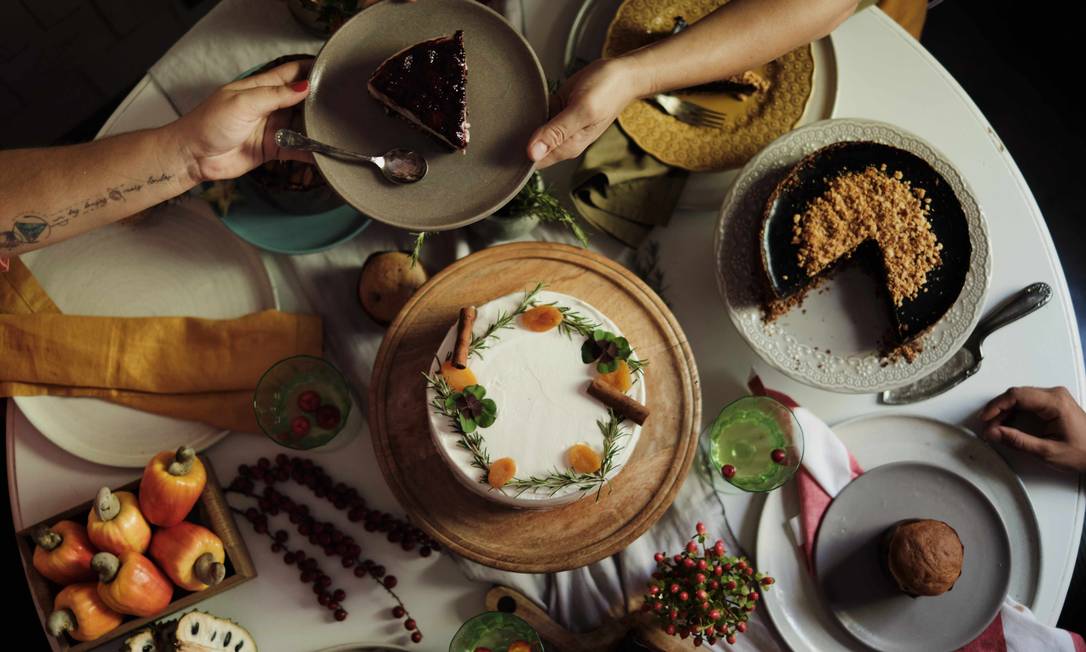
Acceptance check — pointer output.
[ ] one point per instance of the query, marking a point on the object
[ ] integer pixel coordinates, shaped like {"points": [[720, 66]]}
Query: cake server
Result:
{"points": [[966, 361], [398, 165]]}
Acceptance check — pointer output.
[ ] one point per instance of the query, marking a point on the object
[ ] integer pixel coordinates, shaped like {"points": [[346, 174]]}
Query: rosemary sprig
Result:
{"points": [[612, 432], [481, 342], [471, 442], [537, 200], [574, 322], [416, 250]]}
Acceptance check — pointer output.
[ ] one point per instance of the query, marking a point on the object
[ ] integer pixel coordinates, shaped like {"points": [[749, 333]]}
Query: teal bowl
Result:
{"points": [[291, 223], [261, 224]]}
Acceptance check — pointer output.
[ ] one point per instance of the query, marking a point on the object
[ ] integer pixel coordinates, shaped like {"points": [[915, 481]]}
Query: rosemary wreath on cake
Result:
{"points": [[465, 404]]}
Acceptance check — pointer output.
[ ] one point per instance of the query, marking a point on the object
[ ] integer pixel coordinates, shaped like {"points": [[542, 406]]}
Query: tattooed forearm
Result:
{"points": [[35, 227]]}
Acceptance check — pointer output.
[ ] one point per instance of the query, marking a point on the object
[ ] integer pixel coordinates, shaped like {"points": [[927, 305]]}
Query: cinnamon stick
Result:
{"points": [[622, 404], [463, 337]]}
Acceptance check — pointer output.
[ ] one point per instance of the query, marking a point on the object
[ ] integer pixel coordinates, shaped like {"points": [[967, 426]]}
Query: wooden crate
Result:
{"points": [[211, 511]]}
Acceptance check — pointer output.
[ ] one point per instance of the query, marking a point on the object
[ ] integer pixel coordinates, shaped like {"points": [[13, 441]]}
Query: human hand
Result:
{"points": [[585, 106], [233, 131], [1062, 441]]}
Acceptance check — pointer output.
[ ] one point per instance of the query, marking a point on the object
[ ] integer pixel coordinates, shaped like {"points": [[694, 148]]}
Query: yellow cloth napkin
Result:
{"points": [[185, 367], [623, 191]]}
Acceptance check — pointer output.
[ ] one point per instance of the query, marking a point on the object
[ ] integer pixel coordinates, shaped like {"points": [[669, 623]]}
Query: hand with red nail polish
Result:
{"points": [[1059, 440], [233, 130]]}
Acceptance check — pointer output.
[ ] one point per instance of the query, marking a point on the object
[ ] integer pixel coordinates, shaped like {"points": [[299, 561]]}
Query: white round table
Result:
{"points": [[883, 74]]}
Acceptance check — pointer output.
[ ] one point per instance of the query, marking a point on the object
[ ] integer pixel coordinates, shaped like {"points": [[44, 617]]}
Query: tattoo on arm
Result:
{"points": [[31, 228]]}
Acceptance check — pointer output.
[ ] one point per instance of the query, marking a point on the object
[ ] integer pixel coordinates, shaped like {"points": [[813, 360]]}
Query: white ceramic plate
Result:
{"points": [[177, 261], [795, 604], [830, 342]]}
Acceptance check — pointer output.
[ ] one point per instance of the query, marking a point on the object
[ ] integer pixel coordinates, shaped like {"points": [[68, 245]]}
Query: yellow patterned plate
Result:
{"points": [[751, 124]]}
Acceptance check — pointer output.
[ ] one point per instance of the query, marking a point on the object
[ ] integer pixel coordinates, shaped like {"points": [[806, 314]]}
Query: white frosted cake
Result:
{"points": [[543, 441]]}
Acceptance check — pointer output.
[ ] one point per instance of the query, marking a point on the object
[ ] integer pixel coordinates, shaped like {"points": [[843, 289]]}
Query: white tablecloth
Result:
{"points": [[882, 74]]}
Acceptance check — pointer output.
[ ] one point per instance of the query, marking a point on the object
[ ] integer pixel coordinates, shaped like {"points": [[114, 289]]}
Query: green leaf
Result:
{"points": [[467, 424], [589, 351], [478, 391], [623, 347], [450, 402], [607, 367], [486, 420], [600, 335], [490, 407]]}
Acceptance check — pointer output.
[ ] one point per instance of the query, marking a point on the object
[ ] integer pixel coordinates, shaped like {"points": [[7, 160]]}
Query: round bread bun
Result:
{"points": [[388, 280], [924, 556]]}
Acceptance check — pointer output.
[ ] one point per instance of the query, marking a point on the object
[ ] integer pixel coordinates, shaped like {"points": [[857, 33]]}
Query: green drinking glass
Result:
{"points": [[278, 402], [496, 631], [756, 443]]}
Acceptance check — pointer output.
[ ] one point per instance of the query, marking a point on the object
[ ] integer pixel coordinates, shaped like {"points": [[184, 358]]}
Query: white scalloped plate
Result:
{"points": [[177, 260], [831, 342]]}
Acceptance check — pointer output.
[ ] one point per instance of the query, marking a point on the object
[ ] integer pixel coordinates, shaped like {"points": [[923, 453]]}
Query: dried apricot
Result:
{"points": [[620, 378], [541, 318], [500, 472], [458, 379], [583, 458]]}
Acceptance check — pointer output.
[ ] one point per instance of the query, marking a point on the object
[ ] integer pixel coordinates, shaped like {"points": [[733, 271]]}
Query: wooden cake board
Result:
{"points": [[534, 541]]}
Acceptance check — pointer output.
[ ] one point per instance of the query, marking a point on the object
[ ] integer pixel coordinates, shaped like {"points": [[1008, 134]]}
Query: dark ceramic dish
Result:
{"points": [[809, 179]]}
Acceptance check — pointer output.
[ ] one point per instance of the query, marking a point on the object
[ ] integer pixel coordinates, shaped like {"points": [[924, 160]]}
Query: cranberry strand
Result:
{"points": [[311, 572], [325, 535]]}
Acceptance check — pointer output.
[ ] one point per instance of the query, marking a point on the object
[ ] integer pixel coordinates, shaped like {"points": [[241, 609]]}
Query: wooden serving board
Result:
{"points": [[534, 541]]}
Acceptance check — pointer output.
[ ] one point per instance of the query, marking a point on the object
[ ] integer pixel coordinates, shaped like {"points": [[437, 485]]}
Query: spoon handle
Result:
{"points": [[1019, 305], [289, 139]]}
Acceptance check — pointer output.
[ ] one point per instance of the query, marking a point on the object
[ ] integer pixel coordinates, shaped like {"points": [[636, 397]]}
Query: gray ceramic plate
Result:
{"points": [[507, 101], [860, 592]]}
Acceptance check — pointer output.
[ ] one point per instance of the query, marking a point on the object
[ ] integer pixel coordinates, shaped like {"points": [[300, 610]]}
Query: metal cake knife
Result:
{"points": [[966, 361]]}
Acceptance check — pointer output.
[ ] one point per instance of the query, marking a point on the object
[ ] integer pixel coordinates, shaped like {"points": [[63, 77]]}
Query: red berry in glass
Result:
{"points": [[777, 455], [728, 471], [299, 426], [328, 417], [309, 401]]}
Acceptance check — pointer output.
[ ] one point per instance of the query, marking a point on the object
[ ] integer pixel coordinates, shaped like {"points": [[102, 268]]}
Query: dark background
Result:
{"points": [[66, 64]]}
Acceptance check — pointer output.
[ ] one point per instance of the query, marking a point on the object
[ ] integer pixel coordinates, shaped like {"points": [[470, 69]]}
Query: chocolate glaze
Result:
{"points": [[809, 179]]}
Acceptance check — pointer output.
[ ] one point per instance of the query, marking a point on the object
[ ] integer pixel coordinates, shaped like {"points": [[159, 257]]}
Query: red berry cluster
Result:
{"points": [[326, 414], [333, 541], [703, 593]]}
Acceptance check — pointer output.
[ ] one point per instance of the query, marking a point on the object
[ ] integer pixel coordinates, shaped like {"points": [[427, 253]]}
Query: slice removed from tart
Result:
{"points": [[427, 85]]}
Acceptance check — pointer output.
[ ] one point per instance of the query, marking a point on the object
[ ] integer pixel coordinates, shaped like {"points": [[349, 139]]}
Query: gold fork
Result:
{"points": [[688, 112]]}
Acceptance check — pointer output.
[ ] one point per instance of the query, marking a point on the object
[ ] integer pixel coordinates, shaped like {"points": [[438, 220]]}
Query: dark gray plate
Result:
{"points": [[861, 593], [507, 101]]}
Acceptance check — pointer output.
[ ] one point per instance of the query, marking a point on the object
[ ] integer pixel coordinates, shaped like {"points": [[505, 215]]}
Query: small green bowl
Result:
{"points": [[275, 400], [495, 630]]}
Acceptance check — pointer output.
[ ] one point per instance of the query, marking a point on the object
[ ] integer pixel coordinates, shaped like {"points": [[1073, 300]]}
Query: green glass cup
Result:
{"points": [[278, 405], [756, 444], [496, 631]]}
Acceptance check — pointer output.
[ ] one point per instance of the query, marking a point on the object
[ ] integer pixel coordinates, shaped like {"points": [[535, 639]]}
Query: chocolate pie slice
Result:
{"points": [[427, 85]]}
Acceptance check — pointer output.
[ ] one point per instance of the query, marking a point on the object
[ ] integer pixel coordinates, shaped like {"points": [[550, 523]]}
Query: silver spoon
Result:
{"points": [[398, 165]]}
